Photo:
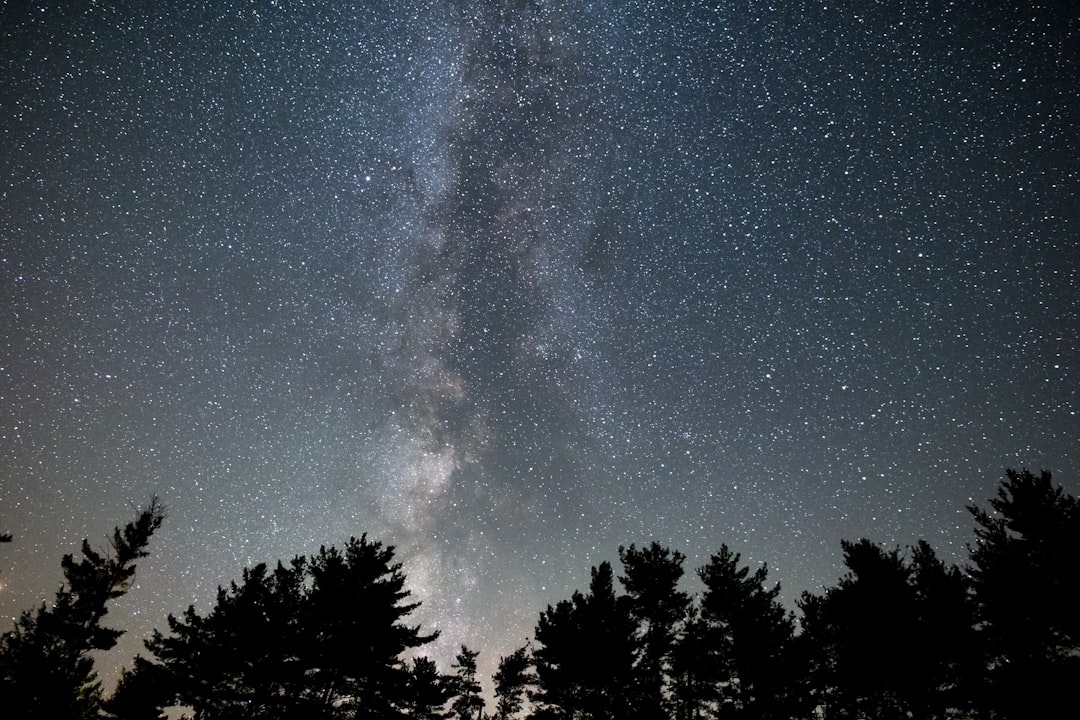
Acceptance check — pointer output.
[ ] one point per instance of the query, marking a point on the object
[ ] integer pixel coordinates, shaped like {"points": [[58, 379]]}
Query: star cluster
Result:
{"points": [[509, 284]]}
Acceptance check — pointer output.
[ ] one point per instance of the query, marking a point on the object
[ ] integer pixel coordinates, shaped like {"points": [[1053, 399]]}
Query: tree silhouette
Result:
{"points": [[139, 692], [894, 638], [357, 604], [559, 662], [512, 680], [657, 606], [693, 694], [243, 655], [748, 632], [320, 638], [428, 691], [326, 637], [947, 668], [46, 663], [467, 703], [584, 655], [864, 631], [1025, 569]]}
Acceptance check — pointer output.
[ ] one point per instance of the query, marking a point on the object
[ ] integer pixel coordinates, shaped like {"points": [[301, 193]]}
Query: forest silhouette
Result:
{"points": [[900, 635]]}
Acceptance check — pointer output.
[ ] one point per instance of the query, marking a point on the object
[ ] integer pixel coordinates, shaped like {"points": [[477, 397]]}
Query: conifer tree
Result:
{"points": [[894, 638], [428, 691], [1025, 570], [584, 654], [323, 637], [651, 578], [864, 634], [748, 633], [693, 670], [948, 664], [467, 703], [46, 661], [511, 682]]}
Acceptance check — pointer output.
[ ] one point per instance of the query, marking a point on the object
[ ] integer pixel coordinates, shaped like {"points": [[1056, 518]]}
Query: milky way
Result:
{"points": [[507, 285]]}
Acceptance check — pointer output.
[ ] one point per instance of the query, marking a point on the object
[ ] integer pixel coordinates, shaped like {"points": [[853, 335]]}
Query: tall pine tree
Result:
{"points": [[584, 655], [512, 680], [651, 580], [428, 692], [46, 661], [324, 637], [748, 632], [467, 702], [1025, 568]]}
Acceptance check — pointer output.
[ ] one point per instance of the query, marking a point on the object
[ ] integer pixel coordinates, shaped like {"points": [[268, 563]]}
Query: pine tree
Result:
{"points": [[356, 608], [748, 633], [559, 659], [245, 654], [139, 693], [693, 670], [947, 669], [1025, 569], [467, 703], [46, 662], [428, 692], [584, 654], [864, 630], [894, 638], [323, 637], [657, 606], [511, 682]]}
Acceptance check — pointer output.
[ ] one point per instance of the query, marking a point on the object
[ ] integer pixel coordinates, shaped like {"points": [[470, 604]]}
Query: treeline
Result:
{"points": [[900, 635]]}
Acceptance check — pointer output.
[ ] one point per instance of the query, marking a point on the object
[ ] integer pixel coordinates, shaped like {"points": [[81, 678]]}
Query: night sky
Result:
{"points": [[507, 285]]}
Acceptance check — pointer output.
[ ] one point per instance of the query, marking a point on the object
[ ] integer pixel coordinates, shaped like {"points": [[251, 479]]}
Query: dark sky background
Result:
{"points": [[507, 285]]}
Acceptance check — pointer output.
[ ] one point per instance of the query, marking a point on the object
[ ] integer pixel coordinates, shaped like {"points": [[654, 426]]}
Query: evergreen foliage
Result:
{"points": [[900, 635], [428, 691], [657, 606], [894, 638], [747, 632], [864, 631], [584, 654], [46, 662], [1025, 570], [323, 637], [467, 703], [512, 680]]}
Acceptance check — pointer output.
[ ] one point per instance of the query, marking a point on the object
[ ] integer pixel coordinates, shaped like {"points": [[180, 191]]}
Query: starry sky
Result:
{"points": [[509, 284]]}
